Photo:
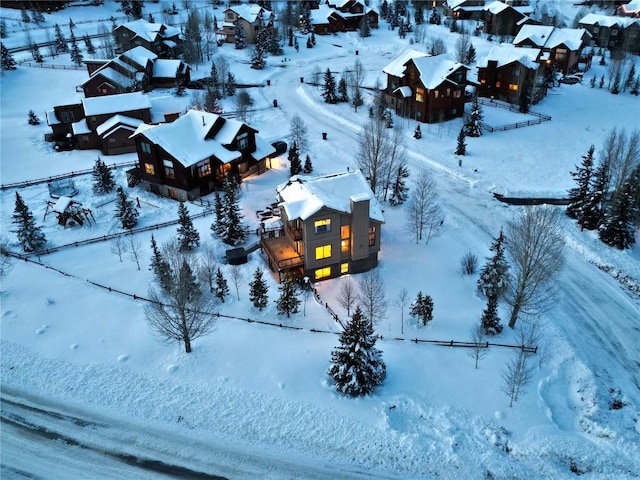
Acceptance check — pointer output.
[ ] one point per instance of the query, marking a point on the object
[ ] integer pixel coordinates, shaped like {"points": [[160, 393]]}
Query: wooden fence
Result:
{"points": [[540, 117]]}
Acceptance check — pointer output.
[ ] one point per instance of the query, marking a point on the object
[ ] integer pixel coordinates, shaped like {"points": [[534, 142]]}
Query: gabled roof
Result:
{"points": [[322, 14], [195, 137], [303, 196], [544, 36], [435, 70], [124, 102], [250, 12], [140, 55], [150, 31], [495, 7], [164, 68], [117, 78], [108, 127], [506, 54], [604, 20], [397, 67]]}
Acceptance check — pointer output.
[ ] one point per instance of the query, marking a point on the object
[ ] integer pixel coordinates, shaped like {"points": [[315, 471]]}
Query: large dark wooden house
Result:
{"points": [[426, 88], [613, 32], [190, 157], [251, 18], [504, 20], [342, 16], [163, 40]]}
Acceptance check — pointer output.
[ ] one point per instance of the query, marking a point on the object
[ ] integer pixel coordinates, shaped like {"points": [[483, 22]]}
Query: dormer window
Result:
{"points": [[243, 141]]}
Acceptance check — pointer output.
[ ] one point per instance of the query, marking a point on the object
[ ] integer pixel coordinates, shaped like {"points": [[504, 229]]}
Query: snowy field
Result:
{"points": [[254, 401]]}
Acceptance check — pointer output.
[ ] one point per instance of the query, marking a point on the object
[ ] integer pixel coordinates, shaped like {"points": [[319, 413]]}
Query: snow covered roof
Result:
{"points": [[506, 54], [165, 104], [140, 55], [434, 70], [495, 7], [166, 68], [405, 91], [110, 74], [250, 13], [186, 138], [604, 20], [321, 14], [455, 3], [550, 37], [108, 127], [303, 196], [124, 102], [398, 66], [150, 31], [263, 149], [80, 127]]}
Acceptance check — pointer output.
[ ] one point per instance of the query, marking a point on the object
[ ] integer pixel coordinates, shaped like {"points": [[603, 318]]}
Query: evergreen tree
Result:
{"points": [[214, 82], [617, 229], [616, 84], [422, 308], [417, 134], [631, 75], [219, 226], [308, 167], [384, 9], [490, 320], [29, 235], [159, 266], [343, 96], [524, 100], [102, 178], [180, 87], [601, 83], [230, 85], [33, 118], [357, 98], [636, 86], [309, 42], [24, 15], [295, 165], [288, 301], [461, 148], [71, 25], [60, 41], [592, 82], [6, 59], [222, 288], [136, 9], [125, 210], [76, 54], [400, 190], [35, 53], [235, 231], [313, 39], [3, 28], [150, 18], [329, 87], [494, 276], [37, 16], [470, 57], [240, 36], [257, 59], [258, 290], [473, 121], [188, 236], [577, 196], [592, 211], [356, 366]]}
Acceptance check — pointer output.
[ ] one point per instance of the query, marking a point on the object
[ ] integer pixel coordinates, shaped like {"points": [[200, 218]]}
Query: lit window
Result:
{"points": [[498, 84], [322, 226], [149, 169], [483, 81], [323, 252], [372, 236], [169, 172], [344, 268], [323, 273], [436, 94], [420, 95], [513, 87], [457, 94], [204, 169], [561, 53], [145, 147], [344, 246], [243, 141], [344, 232]]}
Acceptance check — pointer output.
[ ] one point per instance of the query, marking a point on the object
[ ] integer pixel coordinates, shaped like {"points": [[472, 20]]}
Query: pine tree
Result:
{"points": [[159, 266], [35, 53], [490, 320], [309, 42], [29, 235], [258, 290], [136, 9], [33, 118], [422, 308], [461, 147], [295, 165], [577, 196], [60, 41], [471, 55], [592, 211], [308, 167], [494, 276], [222, 288], [472, 125], [6, 59], [631, 75], [235, 231], [617, 229], [219, 226], [3, 28], [592, 82], [357, 98], [601, 83], [230, 85], [125, 210], [400, 190], [343, 96], [636, 87], [102, 178], [188, 236], [257, 58], [417, 134], [329, 87], [240, 36], [356, 366], [180, 87], [616, 84], [288, 301]]}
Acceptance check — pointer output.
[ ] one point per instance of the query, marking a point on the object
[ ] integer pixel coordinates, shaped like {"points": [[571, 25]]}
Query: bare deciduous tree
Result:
{"points": [[5, 260], [374, 151], [135, 250], [397, 157], [436, 46], [536, 250], [347, 294], [243, 102], [481, 347], [516, 376], [298, 134], [623, 151], [401, 301], [236, 278], [208, 267], [462, 46], [423, 212], [371, 296], [118, 246], [182, 312]]}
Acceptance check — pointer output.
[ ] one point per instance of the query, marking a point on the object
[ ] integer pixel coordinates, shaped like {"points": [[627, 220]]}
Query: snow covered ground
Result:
{"points": [[258, 396]]}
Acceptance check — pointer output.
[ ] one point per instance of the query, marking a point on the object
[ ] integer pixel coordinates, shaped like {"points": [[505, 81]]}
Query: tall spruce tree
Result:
{"points": [[222, 288], [35, 53], [295, 165], [33, 118], [188, 236], [60, 41], [6, 59], [89, 44], [258, 290], [288, 301], [490, 320], [461, 146], [29, 235], [219, 225], [126, 212], [472, 125], [308, 167], [617, 229], [76, 54], [494, 276], [592, 211], [577, 196], [159, 266], [422, 308], [234, 230], [343, 95], [103, 181], [240, 36], [400, 190], [356, 365], [329, 87]]}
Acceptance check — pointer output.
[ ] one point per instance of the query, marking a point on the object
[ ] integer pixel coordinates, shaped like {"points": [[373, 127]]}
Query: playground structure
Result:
{"points": [[69, 212]]}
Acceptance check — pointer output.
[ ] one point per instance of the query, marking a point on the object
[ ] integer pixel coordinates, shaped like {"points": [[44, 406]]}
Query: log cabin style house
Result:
{"points": [[426, 88], [190, 157], [342, 16], [331, 226], [163, 40], [613, 32]]}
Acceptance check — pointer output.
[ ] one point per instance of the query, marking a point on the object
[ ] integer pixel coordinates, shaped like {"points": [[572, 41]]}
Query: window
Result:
{"points": [[243, 141], [169, 172], [344, 238], [498, 83], [230, 16], [344, 268], [596, 29], [436, 94], [149, 169], [344, 246], [323, 273], [561, 53], [67, 117], [204, 169], [420, 95], [614, 33], [457, 93], [372, 236], [448, 92], [322, 226], [323, 252], [513, 87], [146, 148]]}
